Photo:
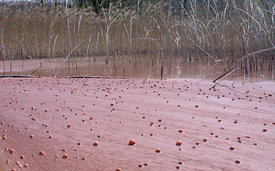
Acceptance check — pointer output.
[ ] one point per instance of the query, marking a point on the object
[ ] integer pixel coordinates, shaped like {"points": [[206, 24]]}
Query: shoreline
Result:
{"points": [[42, 119]]}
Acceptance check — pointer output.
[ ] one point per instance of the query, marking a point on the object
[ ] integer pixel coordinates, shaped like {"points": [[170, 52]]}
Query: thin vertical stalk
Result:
{"points": [[4, 53], [161, 43], [49, 51], [53, 51], [87, 53]]}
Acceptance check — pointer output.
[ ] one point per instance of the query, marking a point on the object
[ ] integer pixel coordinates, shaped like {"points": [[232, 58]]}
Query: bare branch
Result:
{"points": [[36, 69], [70, 54], [235, 66]]}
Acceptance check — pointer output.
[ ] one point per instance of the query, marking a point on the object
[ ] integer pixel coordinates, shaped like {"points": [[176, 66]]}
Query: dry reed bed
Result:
{"points": [[223, 36]]}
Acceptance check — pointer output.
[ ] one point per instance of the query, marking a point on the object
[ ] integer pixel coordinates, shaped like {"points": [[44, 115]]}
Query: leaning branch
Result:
{"points": [[235, 66], [70, 54], [3, 49], [36, 69]]}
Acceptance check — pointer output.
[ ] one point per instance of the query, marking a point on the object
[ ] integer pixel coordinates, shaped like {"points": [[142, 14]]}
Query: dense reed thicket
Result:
{"points": [[199, 30]]}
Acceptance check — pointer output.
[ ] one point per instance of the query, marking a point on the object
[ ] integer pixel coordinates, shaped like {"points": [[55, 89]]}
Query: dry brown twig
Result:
{"points": [[235, 66], [3, 51], [36, 69], [70, 54]]}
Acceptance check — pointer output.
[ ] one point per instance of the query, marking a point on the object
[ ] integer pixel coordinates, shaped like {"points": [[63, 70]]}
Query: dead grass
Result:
{"points": [[224, 36]]}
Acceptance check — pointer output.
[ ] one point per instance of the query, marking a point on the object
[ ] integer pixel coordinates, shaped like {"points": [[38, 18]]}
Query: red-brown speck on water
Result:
{"points": [[232, 148], [132, 142], [158, 150], [65, 156], [178, 143], [238, 161], [41, 153]]}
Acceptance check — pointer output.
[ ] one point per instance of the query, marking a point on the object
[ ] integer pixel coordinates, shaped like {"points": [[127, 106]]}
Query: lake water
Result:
{"points": [[140, 67]]}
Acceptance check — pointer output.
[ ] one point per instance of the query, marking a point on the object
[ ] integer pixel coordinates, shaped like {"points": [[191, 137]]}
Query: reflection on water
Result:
{"points": [[146, 67]]}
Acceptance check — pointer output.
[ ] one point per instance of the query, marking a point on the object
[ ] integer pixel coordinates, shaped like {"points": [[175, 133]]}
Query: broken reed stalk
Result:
{"points": [[3, 50], [22, 59], [161, 42], [70, 55], [36, 69], [53, 51], [49, 49], [108, 25], [235, 66], [87, 53]]}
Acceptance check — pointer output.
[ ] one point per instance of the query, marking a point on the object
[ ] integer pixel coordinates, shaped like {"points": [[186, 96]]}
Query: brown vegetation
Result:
{"points": [[223, 35]]}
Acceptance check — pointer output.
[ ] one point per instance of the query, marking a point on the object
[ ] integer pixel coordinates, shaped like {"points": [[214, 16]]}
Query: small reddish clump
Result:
{"points": [[41, 153], [178, 143], [238, 161], [11, 151], [265, 130], [95, 143], [158, 150], [132, 142], [65, 156], [232, 148]]}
